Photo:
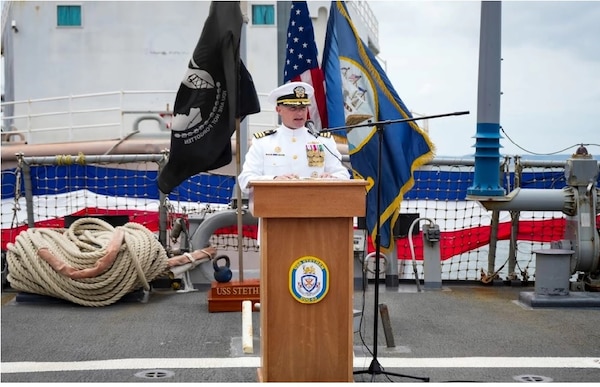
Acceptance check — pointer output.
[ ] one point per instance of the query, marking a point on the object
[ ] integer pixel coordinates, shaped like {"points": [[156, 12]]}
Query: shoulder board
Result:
{"points": [[264, 133], [325, 134]]}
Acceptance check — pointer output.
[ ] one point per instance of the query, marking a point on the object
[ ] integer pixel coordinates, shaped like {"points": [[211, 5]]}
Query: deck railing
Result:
{"points": [[476, 244], [100, 116]]}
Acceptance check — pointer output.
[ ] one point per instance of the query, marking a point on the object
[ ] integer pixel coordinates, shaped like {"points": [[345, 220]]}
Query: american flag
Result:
{"points": [[301, 63]]}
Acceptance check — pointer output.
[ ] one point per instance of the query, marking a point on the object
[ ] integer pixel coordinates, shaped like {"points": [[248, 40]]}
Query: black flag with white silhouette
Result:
{"points": [[216, 89]]}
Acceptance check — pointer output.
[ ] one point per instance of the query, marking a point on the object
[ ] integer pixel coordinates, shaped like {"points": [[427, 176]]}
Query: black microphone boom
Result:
{"points": [[371, 123], [310, 125]]}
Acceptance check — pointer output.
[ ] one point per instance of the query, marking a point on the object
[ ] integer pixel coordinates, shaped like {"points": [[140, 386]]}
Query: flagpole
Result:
{"points": [[238, 153], [238, 194]]}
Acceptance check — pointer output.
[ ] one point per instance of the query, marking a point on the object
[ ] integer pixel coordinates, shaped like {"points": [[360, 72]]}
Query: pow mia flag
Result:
{"points": [[215, 90]]}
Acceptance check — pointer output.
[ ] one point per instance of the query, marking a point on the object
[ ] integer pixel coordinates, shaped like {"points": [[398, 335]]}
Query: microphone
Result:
{"points": [[310, 125]]}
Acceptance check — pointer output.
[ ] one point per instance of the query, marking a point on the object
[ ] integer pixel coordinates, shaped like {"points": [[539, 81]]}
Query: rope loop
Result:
{"points": [[90, 263]]}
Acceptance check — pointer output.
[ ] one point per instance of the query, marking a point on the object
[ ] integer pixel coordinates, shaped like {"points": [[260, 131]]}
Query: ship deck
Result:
{"points": [[464, 332]]}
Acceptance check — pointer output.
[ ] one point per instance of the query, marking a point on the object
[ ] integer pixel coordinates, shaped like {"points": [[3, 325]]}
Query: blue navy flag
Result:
{"points": [[215, 91], [301, 63], [358, 90]]}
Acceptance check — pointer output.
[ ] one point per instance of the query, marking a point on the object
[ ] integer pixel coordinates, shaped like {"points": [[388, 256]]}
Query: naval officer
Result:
{"points": [[292, 151]]}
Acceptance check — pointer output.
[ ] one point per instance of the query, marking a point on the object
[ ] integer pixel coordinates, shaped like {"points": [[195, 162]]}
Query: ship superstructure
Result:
{"points": [[95, 70]]}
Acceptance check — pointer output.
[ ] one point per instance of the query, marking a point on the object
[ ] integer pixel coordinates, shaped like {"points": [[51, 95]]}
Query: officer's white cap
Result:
{"points": [[292, 93]]}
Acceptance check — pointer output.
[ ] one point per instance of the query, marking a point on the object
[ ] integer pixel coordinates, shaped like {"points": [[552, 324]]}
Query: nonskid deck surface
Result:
{"points": [[469, 333]]}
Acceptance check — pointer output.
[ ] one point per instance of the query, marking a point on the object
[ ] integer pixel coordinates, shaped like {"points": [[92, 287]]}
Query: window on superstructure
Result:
{"points": [[263, 14], [68, 15]]}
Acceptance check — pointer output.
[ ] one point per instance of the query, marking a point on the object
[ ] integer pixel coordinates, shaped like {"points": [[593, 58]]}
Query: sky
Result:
{"points": [[550, 71], [550, 75]]}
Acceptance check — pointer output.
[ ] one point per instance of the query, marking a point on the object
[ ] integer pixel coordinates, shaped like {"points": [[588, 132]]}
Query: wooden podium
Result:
{"points": [[306, 277]]}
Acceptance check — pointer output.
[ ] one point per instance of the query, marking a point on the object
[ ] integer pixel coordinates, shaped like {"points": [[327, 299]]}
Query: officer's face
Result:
{"points": [[293, 117]]}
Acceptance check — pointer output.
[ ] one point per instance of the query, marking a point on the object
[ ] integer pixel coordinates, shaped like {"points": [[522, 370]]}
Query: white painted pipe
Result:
{"points": [[247, 339], [181, 269]]}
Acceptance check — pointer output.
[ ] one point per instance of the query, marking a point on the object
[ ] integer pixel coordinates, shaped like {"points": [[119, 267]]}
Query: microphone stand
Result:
{"points": [[375, 367]]}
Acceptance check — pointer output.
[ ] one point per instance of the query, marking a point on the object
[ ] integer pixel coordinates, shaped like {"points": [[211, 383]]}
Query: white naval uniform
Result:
{"points": [[285, 151]]}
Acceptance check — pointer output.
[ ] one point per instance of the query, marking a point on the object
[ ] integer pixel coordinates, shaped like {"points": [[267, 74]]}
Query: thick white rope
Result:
{"points": [[140, 258]]}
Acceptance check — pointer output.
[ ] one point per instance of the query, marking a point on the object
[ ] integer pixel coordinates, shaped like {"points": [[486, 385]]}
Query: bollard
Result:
{"points": [[552, 272]]}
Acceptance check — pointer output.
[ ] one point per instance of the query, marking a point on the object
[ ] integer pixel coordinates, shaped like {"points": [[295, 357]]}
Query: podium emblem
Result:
{"points": [[309, 280]]}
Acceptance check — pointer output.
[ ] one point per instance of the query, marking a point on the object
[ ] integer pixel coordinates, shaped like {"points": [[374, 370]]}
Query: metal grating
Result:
{"points": [[532, 378], [155, 374]]}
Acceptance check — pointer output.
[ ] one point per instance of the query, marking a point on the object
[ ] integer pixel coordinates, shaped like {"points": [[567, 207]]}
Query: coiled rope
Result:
{"points": [[91, 263]]}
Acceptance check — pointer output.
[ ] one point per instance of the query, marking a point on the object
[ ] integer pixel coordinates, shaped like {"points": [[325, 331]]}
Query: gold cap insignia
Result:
{"points": [[300, 92]]}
